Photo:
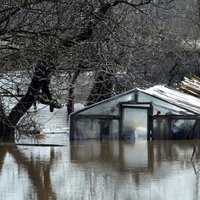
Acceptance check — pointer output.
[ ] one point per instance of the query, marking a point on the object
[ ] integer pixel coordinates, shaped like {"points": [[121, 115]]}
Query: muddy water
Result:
{"points": [[97, 170]]}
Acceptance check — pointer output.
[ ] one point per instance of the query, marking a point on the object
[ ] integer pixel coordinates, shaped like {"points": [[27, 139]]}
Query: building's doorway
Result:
{"points": [[135, 120]]}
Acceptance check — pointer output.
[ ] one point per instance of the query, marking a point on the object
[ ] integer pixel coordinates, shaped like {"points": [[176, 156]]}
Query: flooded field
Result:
{"points": [[97, 170]]}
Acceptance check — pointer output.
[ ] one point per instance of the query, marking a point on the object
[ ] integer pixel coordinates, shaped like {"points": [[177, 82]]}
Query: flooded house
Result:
{"points": [[159, 112]]}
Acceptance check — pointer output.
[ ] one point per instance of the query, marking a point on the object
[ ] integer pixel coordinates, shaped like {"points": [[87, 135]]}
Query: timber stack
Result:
{"points": [[191, 85]]}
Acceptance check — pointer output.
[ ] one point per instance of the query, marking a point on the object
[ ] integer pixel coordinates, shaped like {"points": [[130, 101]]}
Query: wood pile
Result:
{"points": [[191, 85]]}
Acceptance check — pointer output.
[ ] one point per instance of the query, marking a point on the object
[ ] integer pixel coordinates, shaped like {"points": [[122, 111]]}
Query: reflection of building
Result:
{"points": [[131, 157], [137, 158], [133, 114]]}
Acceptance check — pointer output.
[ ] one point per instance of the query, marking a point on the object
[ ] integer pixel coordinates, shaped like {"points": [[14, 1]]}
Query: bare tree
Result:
{"points": [[106, 37]]}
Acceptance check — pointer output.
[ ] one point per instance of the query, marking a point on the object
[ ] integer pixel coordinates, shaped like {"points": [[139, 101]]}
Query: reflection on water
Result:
{"points": [[142, 170]]}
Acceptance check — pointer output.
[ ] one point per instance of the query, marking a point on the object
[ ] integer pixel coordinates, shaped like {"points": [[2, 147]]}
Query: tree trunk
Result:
{"points": [[40, 79], [70, 103], [102, 88], [6, 132]]}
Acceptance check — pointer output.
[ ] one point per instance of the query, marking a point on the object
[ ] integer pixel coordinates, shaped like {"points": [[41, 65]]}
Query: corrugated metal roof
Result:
{"points": [[175, 97]]}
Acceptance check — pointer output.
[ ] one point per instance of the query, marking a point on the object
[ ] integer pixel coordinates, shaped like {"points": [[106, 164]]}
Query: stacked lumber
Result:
{"points": [[191, 85]]}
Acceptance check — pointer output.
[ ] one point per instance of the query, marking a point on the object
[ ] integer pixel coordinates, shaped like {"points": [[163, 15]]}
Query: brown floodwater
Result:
{"points": [[96, 170], [99, 170]]}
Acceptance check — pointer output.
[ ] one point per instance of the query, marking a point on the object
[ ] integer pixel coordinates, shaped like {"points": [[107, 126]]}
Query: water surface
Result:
{"points": [[99, 170]]}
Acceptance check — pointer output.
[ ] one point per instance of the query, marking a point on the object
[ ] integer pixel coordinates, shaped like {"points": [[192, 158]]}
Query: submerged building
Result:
{"points": [[158, 112]]}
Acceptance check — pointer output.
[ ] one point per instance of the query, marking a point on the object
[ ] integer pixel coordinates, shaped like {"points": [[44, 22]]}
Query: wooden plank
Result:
{"points": [[193, 84], [194, 77], [190, 88], [189, 91]]}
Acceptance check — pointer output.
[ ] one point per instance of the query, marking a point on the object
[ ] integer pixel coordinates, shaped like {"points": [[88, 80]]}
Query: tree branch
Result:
{"points": [[98, 16], [131, 4]]}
